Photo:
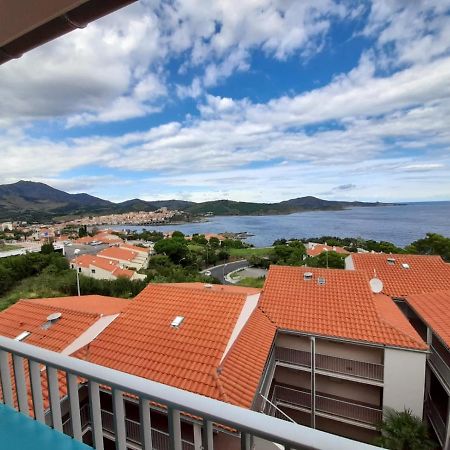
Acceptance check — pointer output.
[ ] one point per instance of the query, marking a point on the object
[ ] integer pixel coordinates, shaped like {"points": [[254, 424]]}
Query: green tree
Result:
{"points": [[331, 260], [47, 249], [175, 248], [214, 242], [82, 231], [177, 235], [432, 244], [401, 430]]}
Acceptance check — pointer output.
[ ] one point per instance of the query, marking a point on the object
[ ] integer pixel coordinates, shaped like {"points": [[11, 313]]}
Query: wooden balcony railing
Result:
{"points": [[360, 369], [328, 405]]}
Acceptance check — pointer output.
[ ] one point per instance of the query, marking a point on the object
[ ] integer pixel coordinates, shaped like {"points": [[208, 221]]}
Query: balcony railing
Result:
{"points": [[213, 413], [440, 365], [329, 363], [328, 405], [436, 420]]}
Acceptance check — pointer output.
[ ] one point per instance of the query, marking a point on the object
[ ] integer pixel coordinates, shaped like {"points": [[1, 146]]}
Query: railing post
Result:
{"points": [[36, 391], [313, 382], [174, 429], [74, 402], [55, 401], [146, 424], [207, 435], [119, 420], [96, 416], [6, 379], [245, 441], [21, 387]]}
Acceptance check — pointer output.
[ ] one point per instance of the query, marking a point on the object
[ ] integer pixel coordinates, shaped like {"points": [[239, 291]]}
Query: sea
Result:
{"points": [[399, 224]]}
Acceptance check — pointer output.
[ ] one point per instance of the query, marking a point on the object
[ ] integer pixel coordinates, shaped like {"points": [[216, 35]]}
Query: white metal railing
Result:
{"points": [[360, 369], [440, 365], [328, 405], [436, 420], [246, 423]]}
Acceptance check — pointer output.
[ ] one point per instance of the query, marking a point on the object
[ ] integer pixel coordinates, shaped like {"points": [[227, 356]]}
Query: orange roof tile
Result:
{"points": [[118, 253], [28, 316], [142, 342], [95, 304], [343, 307], [434, 309], [110, 265], [320, 248], [424, 273], [218, 288], [243, 366], [135, 248]]}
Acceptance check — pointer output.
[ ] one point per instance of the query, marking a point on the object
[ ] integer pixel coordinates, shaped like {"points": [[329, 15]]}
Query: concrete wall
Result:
{"points": [[349, 263], [404, 380], [296, 378], [291, 341], [349, 390], [350, 351]]}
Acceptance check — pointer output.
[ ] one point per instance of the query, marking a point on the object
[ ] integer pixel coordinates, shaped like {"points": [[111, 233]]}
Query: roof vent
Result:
{"points": [[51, 319], [391, 261], [177, 322], [22, 336], [208, 286], [405, 265], [307, 276], [321, 281]]}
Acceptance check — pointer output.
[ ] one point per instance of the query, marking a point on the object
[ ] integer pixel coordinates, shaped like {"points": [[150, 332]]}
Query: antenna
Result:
{"points": [[376, 285]]}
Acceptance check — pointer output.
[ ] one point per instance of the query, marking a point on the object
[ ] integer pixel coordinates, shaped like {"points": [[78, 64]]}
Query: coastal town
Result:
{"points": [[224, 225]]}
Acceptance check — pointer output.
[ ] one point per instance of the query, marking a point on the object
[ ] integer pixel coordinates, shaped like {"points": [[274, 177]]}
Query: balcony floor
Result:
{"points": [[20, 432]]}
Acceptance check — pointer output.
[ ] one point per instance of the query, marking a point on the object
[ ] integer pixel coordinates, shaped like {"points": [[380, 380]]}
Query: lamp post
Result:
{"points": [[76, 252]]}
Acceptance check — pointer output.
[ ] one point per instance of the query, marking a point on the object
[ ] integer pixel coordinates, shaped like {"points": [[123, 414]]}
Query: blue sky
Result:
{"points": [[251, 100]]}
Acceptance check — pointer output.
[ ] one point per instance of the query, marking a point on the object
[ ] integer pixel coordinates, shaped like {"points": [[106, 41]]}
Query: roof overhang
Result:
{"points": [[27, 24]]}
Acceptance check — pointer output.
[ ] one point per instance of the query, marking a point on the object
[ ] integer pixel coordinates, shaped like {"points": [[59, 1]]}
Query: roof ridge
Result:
{"points": [[219, 385], [60, 309]]}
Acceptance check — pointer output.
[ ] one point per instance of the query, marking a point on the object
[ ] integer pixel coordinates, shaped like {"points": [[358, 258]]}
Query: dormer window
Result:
{"points": [[391, 261]]}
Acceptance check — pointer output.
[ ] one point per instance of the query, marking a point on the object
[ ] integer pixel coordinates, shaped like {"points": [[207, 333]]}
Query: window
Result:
{"points": [[92, 270]]}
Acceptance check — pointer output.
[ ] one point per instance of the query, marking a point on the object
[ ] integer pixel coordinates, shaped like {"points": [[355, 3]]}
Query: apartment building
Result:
{"points": [[103, 268], [317, 347], [129, 257], [420, 285], [341, 355]]}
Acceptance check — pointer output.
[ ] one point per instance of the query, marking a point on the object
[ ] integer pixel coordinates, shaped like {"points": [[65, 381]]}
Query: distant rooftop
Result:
{"points": [[404, 275]]}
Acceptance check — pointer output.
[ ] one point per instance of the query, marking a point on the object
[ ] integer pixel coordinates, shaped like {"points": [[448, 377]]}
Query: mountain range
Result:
{"points": [[37, 202]]}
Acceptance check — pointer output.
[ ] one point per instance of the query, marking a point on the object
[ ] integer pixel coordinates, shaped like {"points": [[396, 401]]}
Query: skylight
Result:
{"points": [[405, 265], [391, 261], [307, 276], [22, 336], [177, 322]]}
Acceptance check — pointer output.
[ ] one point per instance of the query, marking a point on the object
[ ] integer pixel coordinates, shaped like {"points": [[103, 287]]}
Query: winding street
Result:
{"points": [[219, 272]]}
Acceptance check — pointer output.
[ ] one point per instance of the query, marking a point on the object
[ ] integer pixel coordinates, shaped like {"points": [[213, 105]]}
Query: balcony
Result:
{"points": [[439, 365], [326, 404], [436, 420], [213, 415], [358, 369]]}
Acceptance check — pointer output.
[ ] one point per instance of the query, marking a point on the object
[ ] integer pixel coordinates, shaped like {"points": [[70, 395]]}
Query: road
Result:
{"points": [[219, 272]]}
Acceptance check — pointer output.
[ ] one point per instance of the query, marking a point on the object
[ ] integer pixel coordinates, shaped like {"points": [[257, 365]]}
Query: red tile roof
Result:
{"points": [[142, 342], [95, 304], [28, 316], [110, 265], [434, 309], [424, 273], [118, 253], [218, 288], [243, 366], [320, 248], [135, 248], [343, 307]]}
